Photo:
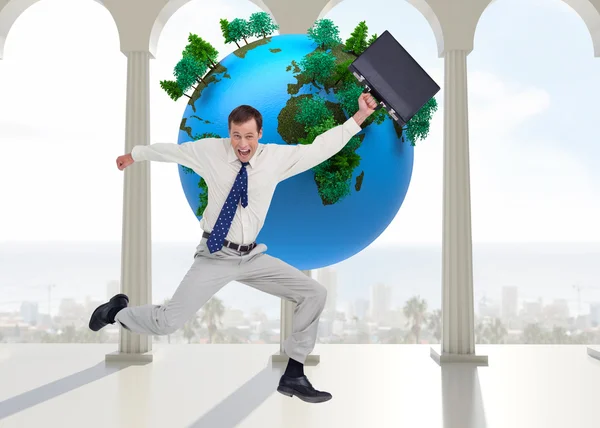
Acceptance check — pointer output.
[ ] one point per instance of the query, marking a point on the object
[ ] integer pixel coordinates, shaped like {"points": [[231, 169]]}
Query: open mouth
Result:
{"points": [[244, 152]]}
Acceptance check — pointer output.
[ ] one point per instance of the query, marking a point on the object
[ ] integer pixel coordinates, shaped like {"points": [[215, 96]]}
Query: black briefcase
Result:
{"points": [[394, 78]]}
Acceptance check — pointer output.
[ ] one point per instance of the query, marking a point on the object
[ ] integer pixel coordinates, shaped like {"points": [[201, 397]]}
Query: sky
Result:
{"points": [[532, 119]]}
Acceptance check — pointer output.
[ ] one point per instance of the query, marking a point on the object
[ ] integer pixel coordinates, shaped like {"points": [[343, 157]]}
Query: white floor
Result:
{"points": [[220, 386]]}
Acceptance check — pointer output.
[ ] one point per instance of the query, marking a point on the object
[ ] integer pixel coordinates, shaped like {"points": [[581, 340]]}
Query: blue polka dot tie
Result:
{"points": [[238, 192]]}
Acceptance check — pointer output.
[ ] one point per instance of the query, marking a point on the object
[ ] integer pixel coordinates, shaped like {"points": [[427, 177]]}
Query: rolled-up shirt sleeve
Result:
{"points": [[192, 154], [296, 159]]}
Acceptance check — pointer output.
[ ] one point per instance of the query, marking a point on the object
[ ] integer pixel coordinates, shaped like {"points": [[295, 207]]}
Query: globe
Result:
{"points": [[301, 228]]}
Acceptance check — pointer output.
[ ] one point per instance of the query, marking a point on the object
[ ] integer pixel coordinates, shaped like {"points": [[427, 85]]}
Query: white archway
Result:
{"points": [[588, 11], [421, 5], [10, 11]]}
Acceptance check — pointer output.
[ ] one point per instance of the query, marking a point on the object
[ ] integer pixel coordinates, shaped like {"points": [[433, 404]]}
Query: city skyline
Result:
{"points": [[548, 271]]}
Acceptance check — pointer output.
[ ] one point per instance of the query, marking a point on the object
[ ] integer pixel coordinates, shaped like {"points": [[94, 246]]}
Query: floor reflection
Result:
{"points": [[462, 402]]}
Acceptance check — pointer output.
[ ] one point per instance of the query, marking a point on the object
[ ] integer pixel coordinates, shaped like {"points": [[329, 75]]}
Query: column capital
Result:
{"points": [[444, 53], [293, 16], [139, 53]]}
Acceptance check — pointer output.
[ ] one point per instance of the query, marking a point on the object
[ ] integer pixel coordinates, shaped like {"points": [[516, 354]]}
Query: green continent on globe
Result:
{"points": [[306, 116]]}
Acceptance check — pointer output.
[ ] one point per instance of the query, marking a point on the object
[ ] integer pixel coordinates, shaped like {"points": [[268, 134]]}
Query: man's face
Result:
{"points": [[244, 139]]}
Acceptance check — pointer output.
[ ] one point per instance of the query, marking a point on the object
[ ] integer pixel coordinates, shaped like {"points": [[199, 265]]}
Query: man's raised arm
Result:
{"points": [[300, 158], [192, 154]]}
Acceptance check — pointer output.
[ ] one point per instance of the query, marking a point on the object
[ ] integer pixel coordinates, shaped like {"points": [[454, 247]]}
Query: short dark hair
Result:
{"points": [[243, 114]]}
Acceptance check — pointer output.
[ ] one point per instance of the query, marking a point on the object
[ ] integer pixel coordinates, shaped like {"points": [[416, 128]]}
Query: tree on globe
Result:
{"points": [[357, 42], [189, 71], [325, 33], [261, 24], [319, 66], [201, 51], [225, 31], [239, 29]]}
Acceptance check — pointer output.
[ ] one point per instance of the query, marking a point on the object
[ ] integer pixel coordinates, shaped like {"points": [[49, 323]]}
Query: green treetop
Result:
{"points": [[325, 33], [312, 111], [189, 71], [342, 73], [318, 67], [333, 176], [348, 95], [239, 29], [372, 39], [261, 24], [417, 127], [201, 51], [225, 30], [172, 89], [357, 42]]}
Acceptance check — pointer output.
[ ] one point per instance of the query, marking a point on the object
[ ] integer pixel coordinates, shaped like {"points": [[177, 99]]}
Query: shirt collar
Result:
{"points": [[232, 157]]}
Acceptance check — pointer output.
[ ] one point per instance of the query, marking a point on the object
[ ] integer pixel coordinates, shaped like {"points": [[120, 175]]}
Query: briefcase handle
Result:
{"points": [[379, 102]]}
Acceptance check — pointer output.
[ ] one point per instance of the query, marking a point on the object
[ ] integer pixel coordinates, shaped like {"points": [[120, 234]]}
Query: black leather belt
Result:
{"points": [[240, 248]]}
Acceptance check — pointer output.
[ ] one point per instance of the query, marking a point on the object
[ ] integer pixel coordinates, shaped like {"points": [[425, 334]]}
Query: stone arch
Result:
{"points": [[169, 10], [588, 11], [421, 5], [10, 12]]}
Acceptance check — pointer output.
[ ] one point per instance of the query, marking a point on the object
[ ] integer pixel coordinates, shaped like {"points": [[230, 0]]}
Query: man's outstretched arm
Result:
{"points": [[300, 158], [192, 154]]}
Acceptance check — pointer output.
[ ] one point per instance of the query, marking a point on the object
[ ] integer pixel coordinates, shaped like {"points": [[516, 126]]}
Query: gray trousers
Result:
{"points": [[211, 272]]}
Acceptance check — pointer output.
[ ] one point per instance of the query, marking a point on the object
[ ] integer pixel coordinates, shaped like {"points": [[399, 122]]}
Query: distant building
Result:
{"points": [[349, 311], [380, 302], [325, 328], [30, 313], [595, 314], [361, 308], [510, 297], [533, 311], [557, 310], [488, 308], [328, 278]]}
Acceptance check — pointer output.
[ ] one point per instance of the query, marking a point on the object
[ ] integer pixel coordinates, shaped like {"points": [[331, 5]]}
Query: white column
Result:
{"points": [[594, 350], [287, 313], [136, 245], [458, 330]]}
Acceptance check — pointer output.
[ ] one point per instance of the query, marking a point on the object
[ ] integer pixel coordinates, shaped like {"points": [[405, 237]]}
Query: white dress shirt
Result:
{"points": [[215, 160]]}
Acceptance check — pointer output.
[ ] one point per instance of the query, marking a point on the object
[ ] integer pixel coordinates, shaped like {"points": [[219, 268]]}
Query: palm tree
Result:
{"points": [[189, 328], [211, 314], [434, 324], [496, 332], [415, 310]]}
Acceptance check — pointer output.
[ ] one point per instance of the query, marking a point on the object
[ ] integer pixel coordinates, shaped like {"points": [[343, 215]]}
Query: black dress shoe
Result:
{"points": [[301, 388], [102, 315]]}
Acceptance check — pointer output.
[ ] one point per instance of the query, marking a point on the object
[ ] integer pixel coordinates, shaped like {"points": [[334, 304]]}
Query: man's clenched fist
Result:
{"points": [[124, 161], [367, 103]]}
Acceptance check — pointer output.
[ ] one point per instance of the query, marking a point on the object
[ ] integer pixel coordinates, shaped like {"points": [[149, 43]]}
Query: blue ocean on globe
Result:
{"points": [[299, 228]]}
